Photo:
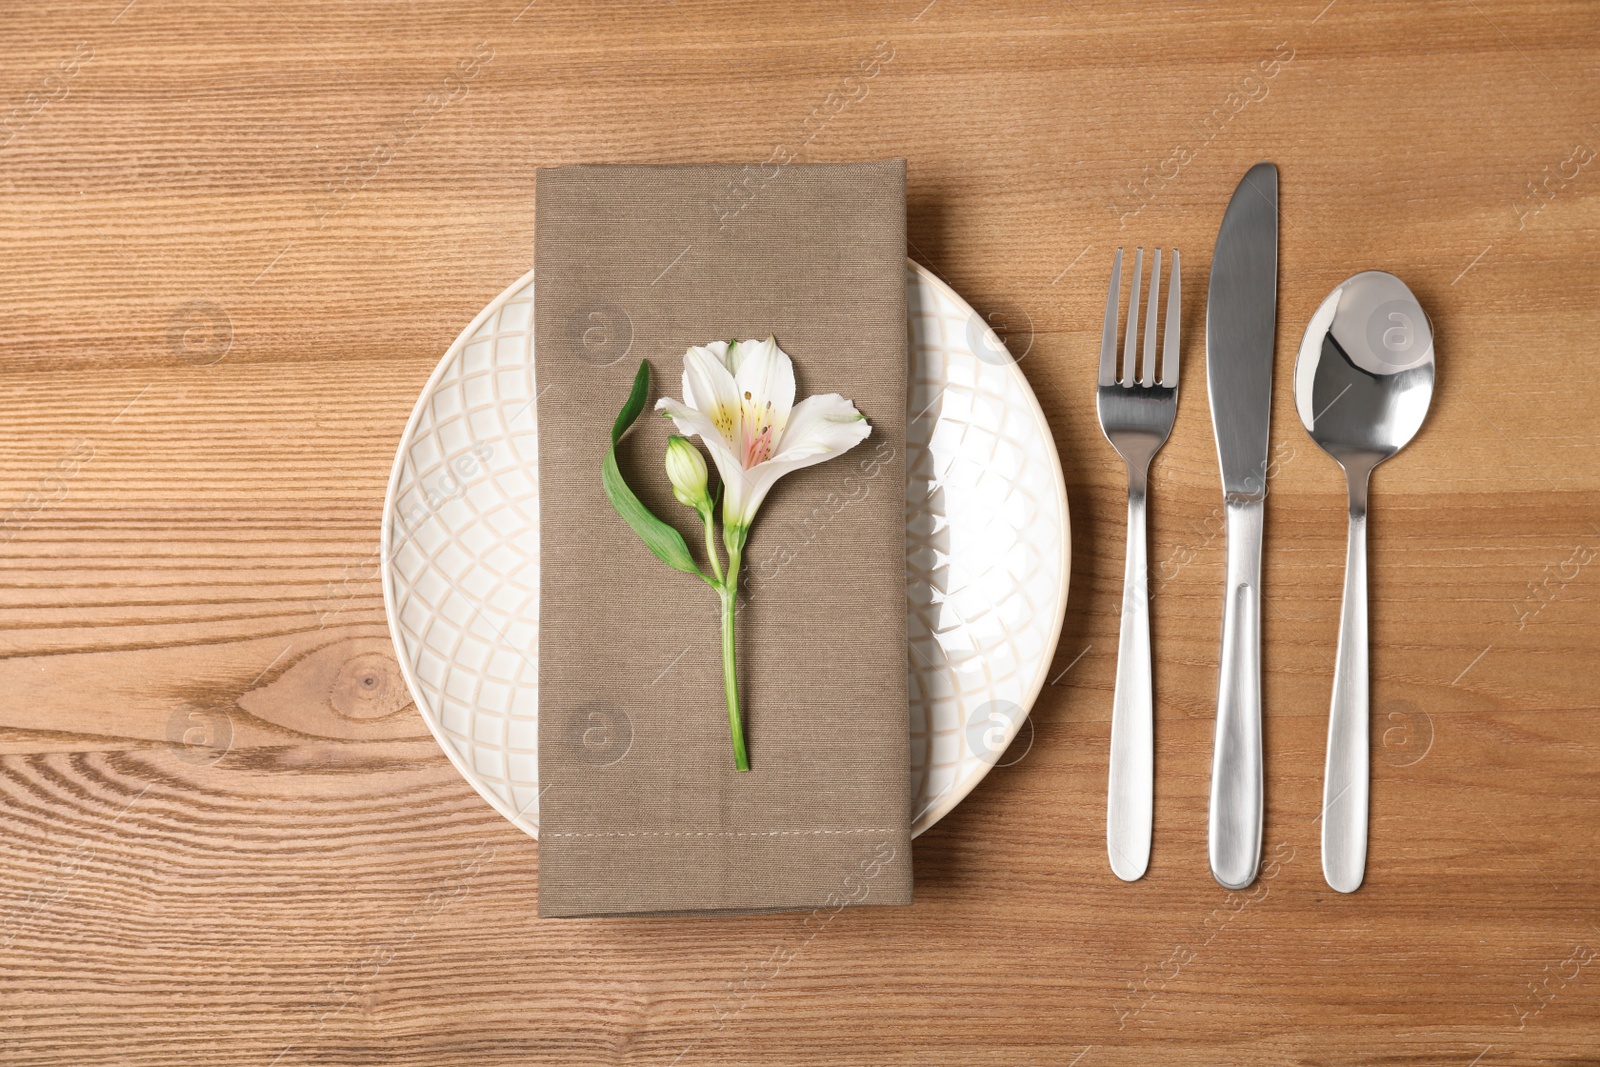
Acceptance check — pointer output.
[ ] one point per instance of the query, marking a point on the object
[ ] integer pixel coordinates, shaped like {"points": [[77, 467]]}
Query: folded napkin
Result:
{"points": [[642, 811]]}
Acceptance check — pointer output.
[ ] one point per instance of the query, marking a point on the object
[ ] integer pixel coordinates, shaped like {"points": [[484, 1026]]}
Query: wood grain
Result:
{"points": [[238, 237]]}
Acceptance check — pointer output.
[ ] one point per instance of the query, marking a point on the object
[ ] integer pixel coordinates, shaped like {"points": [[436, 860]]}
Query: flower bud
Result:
{"points": [[686, 468]]}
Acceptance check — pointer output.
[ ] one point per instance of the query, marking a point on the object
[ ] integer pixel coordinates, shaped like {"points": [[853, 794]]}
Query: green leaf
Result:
{"points": [[665, 542], [634, 405]]}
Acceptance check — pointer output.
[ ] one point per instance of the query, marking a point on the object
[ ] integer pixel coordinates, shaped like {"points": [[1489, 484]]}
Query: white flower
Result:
{"points": [[739, 399]]}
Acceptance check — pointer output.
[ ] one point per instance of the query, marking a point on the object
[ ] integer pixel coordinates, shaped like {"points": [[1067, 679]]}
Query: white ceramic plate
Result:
{"points": [[987, 549]]}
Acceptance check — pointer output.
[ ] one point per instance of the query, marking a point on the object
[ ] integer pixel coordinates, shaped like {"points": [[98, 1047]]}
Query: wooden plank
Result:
{"points": [[237, 238]]}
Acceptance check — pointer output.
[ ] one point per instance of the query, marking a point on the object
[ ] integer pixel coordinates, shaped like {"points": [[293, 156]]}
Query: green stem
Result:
{"points": [[711, 545], [734, 538]]}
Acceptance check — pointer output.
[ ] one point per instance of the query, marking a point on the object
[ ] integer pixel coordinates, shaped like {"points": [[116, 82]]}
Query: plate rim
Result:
{"points": [[386, 563], [929, 816], [933, 814]]}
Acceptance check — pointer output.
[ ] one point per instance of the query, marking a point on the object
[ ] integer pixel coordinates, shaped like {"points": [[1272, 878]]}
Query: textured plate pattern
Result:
{"points": [[986, 548], [986, 551]]}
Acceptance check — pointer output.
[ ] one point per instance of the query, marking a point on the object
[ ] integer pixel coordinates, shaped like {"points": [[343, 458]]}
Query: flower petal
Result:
{"points": [[736, 352], [820, 425], [764, 379], [741, 502], [720, 350], [821, 428], [691, 422], [709, 388], [765, 375]]}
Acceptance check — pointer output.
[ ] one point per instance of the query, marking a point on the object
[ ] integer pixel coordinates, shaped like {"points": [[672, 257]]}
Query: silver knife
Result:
{"points": [[1241, 320]]}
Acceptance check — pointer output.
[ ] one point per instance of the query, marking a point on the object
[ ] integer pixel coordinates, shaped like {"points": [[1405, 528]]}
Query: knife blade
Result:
{"points": [[1241, 323]]}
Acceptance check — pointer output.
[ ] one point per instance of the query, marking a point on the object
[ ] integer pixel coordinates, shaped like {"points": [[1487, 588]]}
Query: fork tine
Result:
{"points": [[1169, 344], [1130, 336], [1152, 304], [1108, 334]]}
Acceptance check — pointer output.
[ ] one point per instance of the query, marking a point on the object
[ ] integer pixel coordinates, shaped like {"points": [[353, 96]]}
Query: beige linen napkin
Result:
{"points": [[642, 810]]}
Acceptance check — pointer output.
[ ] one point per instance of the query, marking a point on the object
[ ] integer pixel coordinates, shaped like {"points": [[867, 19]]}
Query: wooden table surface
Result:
{"points": [[236, 238]]}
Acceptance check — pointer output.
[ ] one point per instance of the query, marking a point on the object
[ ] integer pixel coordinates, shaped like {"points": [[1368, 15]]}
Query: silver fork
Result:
{"points": [[1136, 415]]}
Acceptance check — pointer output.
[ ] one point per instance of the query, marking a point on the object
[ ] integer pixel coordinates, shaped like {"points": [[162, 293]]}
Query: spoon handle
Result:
{"points": [[1236, 778], [1346, 779], [1131, 780]]}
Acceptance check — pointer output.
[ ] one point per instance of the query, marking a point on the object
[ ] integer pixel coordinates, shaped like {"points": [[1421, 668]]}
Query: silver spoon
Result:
{"points": [[1362, 385]]}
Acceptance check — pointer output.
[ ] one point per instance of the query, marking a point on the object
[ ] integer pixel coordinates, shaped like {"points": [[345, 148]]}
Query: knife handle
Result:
{"points": [[1236, 776]]}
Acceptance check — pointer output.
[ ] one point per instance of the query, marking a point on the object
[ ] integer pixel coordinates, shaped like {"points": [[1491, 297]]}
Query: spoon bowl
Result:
{"points": [[1364, 376], [1362, 384]]}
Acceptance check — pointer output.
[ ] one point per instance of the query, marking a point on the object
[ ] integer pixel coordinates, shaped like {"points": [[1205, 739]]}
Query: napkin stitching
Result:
{"points": [[710, 833]]}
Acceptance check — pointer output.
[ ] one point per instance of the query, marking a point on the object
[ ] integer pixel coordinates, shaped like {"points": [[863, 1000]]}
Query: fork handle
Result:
{"points": [[1131, 785], [1346, 779], [1236, 778]]}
